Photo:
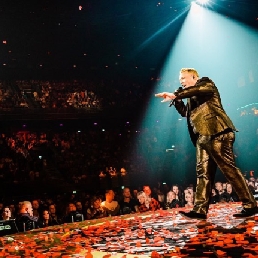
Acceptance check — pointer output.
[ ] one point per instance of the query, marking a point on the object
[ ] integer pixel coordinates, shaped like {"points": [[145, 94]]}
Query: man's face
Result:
{"points": [[35, 204], [126, 193], [96, 204], [187, 79], [218, 186], [110, 196], [52, 209], [29, 209], [147, 190], [78, 205], [72, 207]]}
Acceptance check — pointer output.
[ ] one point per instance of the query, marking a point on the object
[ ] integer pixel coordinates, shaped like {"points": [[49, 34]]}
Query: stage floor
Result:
{"points": [[152, 234]]}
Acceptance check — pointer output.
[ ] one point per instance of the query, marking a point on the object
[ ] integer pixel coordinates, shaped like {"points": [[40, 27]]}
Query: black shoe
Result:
{"points": [[193, 215], [246, 212]]}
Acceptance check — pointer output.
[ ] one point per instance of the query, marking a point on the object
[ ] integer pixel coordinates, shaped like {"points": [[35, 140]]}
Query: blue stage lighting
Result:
{"points": [[202, 2]]}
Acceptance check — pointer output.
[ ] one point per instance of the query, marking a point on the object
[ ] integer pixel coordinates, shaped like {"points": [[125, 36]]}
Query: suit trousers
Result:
{"points": [[213, 152]]}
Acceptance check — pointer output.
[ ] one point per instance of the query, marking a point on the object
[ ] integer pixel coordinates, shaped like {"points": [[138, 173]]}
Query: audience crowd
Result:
{"points": [[76, 157], [56, 210], [75, 94]]}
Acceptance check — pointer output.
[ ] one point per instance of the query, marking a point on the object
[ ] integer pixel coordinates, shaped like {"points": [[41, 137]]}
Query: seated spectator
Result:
{"points": [[87, 204], [153, 198], [95, 211], [232, 196], [161, 198], [73, 215], [112, 207], [176, 190], [148, 192], [36, 208], [53, 216], [188, 190], [146, 203], [128, 204], [228, 195], [252, 179], [25, 220], [219, 188], [45, 219], [6, 214], [221, 192], [251, 186], [214, 196], [224, 187], [189, 200], [135, 192], [171, 201], [78, 206], [13, 210]]}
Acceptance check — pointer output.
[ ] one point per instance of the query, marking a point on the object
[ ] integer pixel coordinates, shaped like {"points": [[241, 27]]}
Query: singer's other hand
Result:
{"points": [[167, 96]]}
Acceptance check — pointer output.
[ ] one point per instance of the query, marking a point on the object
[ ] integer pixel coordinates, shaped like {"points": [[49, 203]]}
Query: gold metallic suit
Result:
{"points": [[212, 132]]}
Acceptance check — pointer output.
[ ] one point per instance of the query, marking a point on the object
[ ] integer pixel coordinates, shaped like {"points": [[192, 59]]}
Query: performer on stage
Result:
{"points": [[212, 132]]}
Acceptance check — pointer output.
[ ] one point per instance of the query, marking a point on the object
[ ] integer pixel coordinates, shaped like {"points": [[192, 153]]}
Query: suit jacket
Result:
{"points": [[204, 111], [26, 222]]}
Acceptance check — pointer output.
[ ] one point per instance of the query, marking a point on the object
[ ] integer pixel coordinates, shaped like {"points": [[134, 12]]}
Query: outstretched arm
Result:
{"points": [[167, 96], [179, 104]]}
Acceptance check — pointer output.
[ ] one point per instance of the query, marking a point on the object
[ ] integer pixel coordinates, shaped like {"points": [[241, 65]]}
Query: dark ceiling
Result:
{"points": [[82, 38]]}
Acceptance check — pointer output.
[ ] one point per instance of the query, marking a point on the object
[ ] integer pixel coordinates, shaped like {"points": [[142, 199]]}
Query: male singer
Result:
{"points": [[212, 132]]}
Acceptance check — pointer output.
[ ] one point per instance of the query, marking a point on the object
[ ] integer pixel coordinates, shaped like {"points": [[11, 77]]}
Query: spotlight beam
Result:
{"points": [[202, 2], [147, 41]]}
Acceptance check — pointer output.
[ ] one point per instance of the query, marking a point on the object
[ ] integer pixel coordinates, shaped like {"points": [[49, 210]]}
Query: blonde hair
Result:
{"points": [[141, 194], [190, 70], [146, 199], [24, 206]]}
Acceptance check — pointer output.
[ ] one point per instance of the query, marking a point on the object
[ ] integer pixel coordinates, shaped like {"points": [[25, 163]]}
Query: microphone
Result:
{"points": [[172, 102]]}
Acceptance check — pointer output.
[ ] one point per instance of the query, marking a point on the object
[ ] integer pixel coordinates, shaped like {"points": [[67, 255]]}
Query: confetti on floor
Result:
{"points": [[164, 233]]}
